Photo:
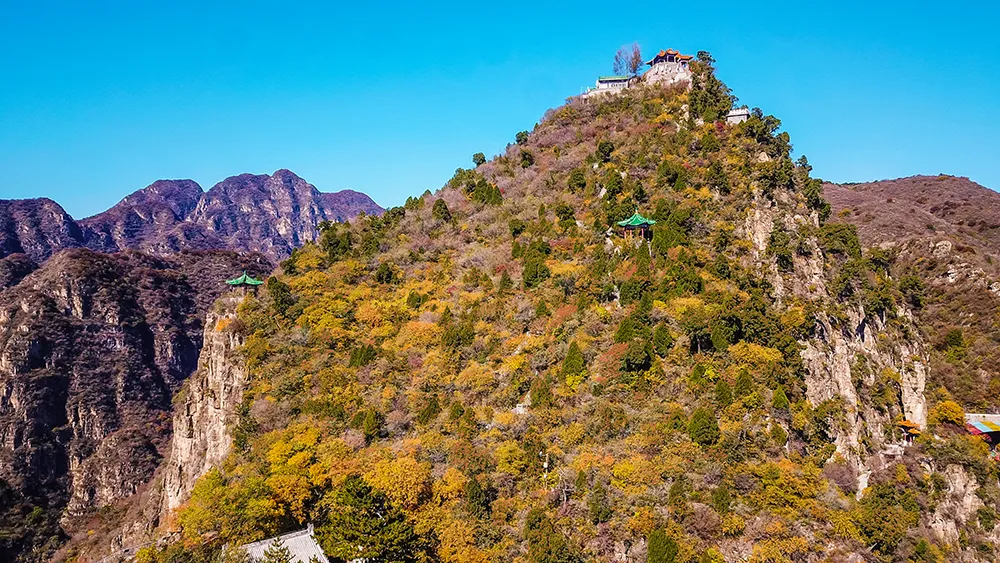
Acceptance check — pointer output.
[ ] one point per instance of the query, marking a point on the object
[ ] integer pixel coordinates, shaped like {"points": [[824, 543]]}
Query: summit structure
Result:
{"points": [[667, 67]]}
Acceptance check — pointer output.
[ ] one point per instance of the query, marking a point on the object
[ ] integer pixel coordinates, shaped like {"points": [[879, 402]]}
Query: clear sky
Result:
{"points": [[98, 99]]}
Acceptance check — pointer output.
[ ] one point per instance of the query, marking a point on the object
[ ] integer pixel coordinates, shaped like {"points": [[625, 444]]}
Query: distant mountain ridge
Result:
{"points": [[271, 214]]}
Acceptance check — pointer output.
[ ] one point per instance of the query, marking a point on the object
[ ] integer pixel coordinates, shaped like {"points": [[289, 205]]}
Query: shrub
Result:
{"points": [[527, 158], [577, 180]]}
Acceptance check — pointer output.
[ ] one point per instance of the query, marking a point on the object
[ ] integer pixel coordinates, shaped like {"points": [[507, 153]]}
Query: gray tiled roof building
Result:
{"points": [[301, 544]]}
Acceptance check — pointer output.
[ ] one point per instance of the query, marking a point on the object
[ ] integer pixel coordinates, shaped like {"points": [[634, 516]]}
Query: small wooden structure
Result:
{"points": [[636, 226], [244, 283]]}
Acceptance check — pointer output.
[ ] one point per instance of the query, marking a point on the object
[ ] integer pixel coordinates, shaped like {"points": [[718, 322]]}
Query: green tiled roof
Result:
{"points": [[636, 220], [245, 279], [605, 78]]}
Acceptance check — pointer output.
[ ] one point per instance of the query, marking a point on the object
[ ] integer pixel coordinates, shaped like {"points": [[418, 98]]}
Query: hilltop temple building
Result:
{"points": [[670, 57], [666, 67]]}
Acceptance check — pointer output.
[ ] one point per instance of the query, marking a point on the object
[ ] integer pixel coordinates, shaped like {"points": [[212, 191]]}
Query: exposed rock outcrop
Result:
{"points": [[206, 409]]}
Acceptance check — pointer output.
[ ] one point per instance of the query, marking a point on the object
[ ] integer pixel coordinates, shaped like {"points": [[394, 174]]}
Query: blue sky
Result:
{"points": [[99, 99]]}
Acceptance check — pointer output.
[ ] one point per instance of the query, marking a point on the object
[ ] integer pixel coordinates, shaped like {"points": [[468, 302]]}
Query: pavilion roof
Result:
{"points": [[244, 279], [636, 220]]}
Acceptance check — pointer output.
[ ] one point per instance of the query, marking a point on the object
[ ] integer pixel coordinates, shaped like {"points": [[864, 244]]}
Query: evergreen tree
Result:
{"points": [[573, 364], [780, 400], [440, 211], [744, 384], [577, 180], [662, 340], [479, 159], [477, 498], [546, 544], [598, 505], [661, 547], [280, 294], [703, 428], [723, 394], [277, 552], [721, 498], [365, 525]]}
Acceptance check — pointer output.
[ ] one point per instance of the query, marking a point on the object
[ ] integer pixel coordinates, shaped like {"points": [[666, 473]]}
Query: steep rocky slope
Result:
{"points": [[92, 349], [271, 214], [946, 233]]}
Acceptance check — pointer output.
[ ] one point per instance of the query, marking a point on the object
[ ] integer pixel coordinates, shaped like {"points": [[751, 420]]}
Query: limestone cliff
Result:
{"points": [[851, 351], [205, 409], [92, 349]]}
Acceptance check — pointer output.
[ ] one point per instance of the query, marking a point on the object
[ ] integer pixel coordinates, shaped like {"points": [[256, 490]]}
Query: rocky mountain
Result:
{"points": [[945, 234], [36, 228], [93, 348], [271, 214]]}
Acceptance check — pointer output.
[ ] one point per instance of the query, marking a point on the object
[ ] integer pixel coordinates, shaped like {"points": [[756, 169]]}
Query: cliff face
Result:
{"points": [[271, 214], [851, 353], [206, 408], [92, 349]]}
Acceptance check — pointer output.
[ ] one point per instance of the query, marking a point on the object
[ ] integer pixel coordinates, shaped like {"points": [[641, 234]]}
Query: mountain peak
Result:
{"points": [[272, 214]]}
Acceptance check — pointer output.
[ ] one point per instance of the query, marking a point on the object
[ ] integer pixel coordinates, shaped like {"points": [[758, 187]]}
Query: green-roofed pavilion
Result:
{"points": [[245, 279], [636, 225], [244, 282]]}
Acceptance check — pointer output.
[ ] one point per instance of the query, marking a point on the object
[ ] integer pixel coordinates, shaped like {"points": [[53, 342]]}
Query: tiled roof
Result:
{"points": [[636, 220], [301, 544], [245, 279]]}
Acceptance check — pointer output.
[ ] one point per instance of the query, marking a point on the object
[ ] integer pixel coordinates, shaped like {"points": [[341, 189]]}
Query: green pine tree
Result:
{"points": [[364, 524], [723, 394], [661, 547], [277, 552], [703, 428], [780, 400], [573, 364], [744, 385]]}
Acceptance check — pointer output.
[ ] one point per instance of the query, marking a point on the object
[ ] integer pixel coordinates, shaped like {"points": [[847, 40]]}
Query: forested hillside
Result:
{"points": [[494, 373]]}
